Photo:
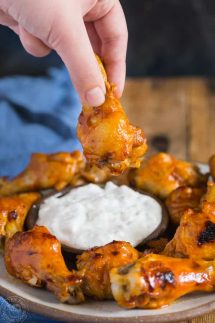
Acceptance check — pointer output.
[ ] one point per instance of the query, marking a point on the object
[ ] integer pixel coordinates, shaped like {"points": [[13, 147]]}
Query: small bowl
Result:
{"points": [[32, 216]]}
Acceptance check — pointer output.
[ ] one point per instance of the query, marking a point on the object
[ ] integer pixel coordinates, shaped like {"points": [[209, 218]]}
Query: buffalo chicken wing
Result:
{"points": [[96, 263], [43, 172], [162, 174], [195, 236], [182, 199], [107, 137], [13, 211], [155, 281], [35, 257]]}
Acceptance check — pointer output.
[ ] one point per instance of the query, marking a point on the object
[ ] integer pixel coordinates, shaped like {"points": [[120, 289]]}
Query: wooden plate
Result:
{"points": [[44, 303]]}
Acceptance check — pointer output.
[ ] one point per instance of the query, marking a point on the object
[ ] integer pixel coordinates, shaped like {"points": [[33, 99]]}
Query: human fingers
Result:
{"points": [[113, 33], [32, 44]]}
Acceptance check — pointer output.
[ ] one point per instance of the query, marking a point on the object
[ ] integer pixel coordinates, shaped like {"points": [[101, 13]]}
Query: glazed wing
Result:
{"points": [[155, 281], [13, 211], [107, 137], [162, 174], [44, 171], [91, 174], [195, 236], [35, 258], [181, 199], [96, 263]]}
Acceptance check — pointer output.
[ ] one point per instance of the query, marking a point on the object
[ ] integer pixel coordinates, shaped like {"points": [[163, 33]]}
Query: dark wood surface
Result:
{"points": [[178, 116]]}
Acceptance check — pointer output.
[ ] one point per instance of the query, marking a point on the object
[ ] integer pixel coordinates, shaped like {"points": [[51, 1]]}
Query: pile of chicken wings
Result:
{"points": [[150, 277]]}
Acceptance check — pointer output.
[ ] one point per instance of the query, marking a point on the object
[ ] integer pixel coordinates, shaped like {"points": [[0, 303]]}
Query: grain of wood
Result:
{"points": [[210, 318], [201, 106], [180, 109], [158, 107]]}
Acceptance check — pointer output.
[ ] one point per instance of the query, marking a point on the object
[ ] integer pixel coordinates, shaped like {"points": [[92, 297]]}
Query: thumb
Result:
{"points": [[72, 44]]}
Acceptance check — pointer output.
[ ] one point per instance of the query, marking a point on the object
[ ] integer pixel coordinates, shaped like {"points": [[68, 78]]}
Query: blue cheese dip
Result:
{"points": [[91, 215]]}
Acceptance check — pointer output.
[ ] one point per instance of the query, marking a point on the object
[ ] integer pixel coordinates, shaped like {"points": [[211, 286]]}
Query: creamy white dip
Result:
{"points": [[91, 216]]}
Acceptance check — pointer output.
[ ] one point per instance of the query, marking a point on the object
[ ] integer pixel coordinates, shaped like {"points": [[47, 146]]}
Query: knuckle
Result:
{"points": [[101, 9]]}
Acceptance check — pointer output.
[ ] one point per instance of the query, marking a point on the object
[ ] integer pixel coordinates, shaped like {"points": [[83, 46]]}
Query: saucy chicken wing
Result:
{"points": [[107, 137], [96, 263], [182, 199], [13, 211], [195, 236], [162, 174], [91, 174], [44, 171], [155, 281], [35, 257]]}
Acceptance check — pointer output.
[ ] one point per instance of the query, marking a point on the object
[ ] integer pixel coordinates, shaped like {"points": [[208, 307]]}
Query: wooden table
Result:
{"points": [[178, 116]]}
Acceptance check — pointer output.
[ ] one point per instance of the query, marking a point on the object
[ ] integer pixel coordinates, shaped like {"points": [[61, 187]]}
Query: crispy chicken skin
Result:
{"points": [[94, 174], [107, 137], [182, 199], [155, 281], [35, 257], [13, 211], [96, 263], [195, 236], [91, 174], [162, 174], [44, 171]]}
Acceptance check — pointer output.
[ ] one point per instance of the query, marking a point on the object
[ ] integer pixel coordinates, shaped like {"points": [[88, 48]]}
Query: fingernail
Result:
{"points": [[95, 97]]}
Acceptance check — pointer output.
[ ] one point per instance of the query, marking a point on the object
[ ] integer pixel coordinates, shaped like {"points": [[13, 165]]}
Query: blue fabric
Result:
{"points": [[12, 314], [37, 114]]}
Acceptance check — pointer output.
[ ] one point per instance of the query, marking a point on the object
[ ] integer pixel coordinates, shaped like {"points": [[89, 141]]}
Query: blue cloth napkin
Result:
{"points": [[37, 114], [17, 314]]}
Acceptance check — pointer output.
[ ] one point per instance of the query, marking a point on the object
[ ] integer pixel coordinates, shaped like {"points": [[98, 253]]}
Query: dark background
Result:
{"points": [[166, 37]]}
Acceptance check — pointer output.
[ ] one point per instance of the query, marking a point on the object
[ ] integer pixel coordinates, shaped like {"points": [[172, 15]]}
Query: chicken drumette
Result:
{"points": [[44, 171], [13, 211], [182, 199], [35, 257], [107, 137], [195, 236], [162, 174], [155, 281], [96, 263]]}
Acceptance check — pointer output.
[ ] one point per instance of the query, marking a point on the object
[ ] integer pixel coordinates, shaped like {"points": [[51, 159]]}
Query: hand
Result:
{"points": [[75, 29]]}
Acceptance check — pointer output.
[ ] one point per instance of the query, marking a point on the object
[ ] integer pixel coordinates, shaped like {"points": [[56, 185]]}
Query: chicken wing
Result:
{"points": [[155, 281], [13, 211], [35, 257], [195, 236], [96, 263], [44, 171], [91, 174], [162, 174], [182, 199], [107, 137]]}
